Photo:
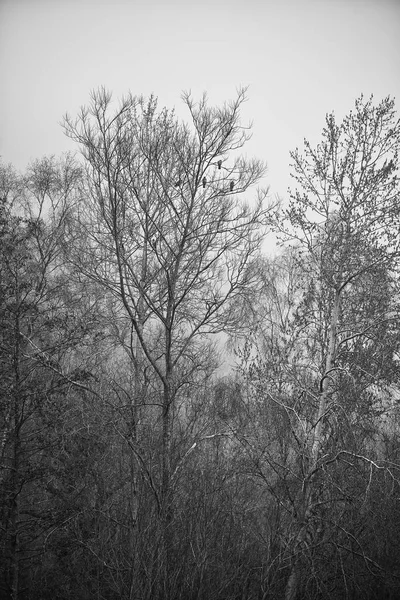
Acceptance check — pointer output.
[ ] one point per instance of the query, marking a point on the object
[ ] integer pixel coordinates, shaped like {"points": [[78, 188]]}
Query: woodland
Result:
{"points": [[184, 416]]}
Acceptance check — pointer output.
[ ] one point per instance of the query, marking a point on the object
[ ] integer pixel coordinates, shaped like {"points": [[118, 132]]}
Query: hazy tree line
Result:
{"points": [[132, 465]]}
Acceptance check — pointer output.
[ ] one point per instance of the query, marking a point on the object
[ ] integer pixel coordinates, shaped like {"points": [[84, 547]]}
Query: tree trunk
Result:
{"points": [[137, 401], [324, 384], [15, 461], [292, 585], [166, 492]]}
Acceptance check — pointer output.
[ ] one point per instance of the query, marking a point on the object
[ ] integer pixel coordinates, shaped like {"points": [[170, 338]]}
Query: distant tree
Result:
{"points": [[37, 332]]}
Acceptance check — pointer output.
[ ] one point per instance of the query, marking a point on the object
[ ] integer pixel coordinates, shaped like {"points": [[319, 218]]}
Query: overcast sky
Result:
{"points": [[300, 59]]}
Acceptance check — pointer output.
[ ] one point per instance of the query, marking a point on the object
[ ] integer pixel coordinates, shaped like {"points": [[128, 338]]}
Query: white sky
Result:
{"points": [[300, 58]]}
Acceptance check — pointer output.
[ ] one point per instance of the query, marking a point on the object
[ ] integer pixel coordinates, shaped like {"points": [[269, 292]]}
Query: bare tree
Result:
{"points": [[162, 228]]}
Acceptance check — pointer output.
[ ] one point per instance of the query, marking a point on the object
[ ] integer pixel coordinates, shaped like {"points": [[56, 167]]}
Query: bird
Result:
{"points": [[219, 163], [232, 183], [204, 182]]}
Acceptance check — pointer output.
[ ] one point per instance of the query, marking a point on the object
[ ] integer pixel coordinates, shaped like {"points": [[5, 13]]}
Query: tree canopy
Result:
{"points": [[134, 463]]}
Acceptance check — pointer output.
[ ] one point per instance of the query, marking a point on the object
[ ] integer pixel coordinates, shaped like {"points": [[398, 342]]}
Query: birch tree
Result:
{"points": [[342, 221]]}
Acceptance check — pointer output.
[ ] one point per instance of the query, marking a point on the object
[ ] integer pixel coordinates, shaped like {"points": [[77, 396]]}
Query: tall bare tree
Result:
{"points": [[162, 228]]}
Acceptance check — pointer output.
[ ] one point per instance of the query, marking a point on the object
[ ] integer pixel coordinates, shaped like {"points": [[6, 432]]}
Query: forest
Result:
{"points": [[183, 415]]}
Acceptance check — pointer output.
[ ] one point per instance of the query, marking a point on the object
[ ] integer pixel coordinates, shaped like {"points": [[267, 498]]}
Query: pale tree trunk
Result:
{"points": [[325, 386], [293, 584]]}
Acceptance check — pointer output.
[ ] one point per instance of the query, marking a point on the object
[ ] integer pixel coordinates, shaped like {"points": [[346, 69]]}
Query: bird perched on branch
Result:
{"points": [[204, 182], [219, 163], [231, 185]]}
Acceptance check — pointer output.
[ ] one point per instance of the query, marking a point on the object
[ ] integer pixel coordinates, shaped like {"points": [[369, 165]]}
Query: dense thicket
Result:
{"points": [[130, 467]]}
